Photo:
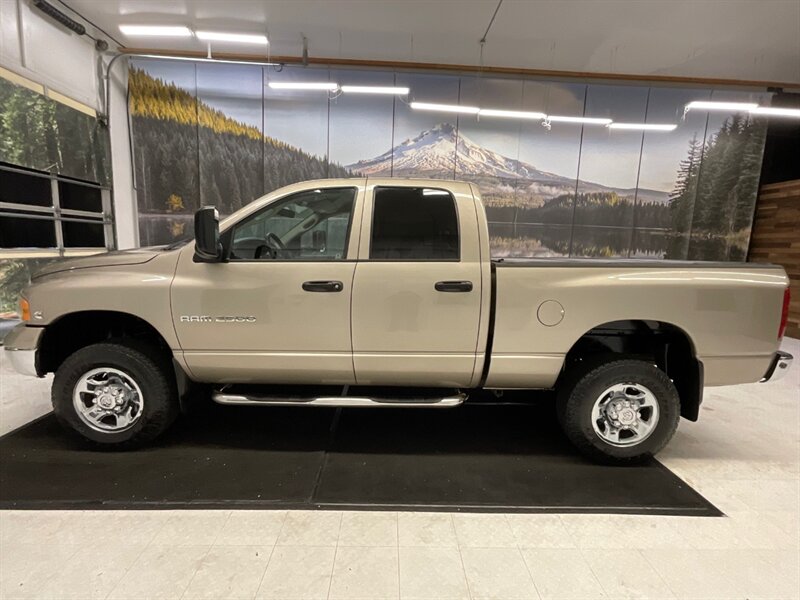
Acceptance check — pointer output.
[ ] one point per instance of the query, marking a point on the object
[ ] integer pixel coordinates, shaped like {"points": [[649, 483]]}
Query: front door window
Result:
{"points": [[312, 225]]}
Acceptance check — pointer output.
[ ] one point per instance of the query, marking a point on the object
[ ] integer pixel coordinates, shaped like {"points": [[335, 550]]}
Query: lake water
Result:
{"points": [[533, 240]]}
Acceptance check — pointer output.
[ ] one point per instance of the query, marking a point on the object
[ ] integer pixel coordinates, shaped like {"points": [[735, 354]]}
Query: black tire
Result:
{"points": [[577, 397], [146, 365]]}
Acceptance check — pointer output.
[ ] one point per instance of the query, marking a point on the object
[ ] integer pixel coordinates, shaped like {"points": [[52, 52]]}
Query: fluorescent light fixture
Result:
{"points": [[454, 108], [304, 85], [239, 38], [712, 105], [511, 114], [374, 89], [156, 30], [644, 126], [434, 192], [775, 111], [585, 120]]}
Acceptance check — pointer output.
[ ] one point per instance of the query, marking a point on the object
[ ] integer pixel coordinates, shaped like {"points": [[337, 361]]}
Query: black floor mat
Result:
{"points": [[490, 458]]}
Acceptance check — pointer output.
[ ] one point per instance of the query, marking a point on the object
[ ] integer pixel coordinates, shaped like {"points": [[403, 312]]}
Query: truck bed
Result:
{"points": [[728, 311]]}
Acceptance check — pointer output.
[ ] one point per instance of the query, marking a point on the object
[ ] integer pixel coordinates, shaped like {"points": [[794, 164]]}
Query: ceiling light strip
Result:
{"points": [[776, 111], [156, 30], [644, 126], [511, 114], [492, 112], [208, 60], [453, 108], [237, 38], [304, 85], [375, 89], [583, 120], [713, 105]]}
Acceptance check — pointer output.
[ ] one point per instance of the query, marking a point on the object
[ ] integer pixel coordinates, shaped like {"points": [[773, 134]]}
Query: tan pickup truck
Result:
{"points": [[383, 293]]}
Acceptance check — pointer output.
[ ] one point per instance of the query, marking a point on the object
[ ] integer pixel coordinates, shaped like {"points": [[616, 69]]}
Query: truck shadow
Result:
{"points": [[496, 458], [479, 429]]}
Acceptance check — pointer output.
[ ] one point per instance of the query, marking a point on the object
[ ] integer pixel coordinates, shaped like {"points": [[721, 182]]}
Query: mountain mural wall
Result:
{"points": [[566, 192], [443, 149]]}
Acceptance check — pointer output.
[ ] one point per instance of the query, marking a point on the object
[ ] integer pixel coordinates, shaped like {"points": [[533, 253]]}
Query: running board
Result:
{"points": [[348, 401]]}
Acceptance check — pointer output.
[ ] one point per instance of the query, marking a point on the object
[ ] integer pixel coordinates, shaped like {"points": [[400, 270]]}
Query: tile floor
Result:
{"points": [[743, 455]]}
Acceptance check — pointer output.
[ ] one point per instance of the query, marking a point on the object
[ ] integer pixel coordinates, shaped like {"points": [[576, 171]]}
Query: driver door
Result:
{"points": [[278, 311]]}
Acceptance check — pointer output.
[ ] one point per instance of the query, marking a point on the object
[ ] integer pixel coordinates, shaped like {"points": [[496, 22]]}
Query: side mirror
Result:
{"points": [[206, 235]]}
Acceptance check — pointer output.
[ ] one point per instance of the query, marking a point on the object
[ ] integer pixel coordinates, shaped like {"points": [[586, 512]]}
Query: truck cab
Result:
{"points": [[341, 282]]}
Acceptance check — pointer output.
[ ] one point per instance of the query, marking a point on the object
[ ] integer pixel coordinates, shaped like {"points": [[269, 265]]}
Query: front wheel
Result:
{"points": [[621, 412], [118, 393]]}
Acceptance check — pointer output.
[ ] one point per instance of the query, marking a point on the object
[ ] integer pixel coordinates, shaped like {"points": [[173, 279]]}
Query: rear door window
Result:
{"points": [[414, 223]]}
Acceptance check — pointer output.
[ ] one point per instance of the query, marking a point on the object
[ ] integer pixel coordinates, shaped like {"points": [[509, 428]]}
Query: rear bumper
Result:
{"points": [[778, 367], [21, 347]]}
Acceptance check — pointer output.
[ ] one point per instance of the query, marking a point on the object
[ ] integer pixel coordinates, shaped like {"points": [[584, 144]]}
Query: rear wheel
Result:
{"points": [[119, 393], [622, 411]]}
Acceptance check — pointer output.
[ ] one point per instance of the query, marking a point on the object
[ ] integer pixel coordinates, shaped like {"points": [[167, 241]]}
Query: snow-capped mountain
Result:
{"points": [[432, 151], [431, 154]]}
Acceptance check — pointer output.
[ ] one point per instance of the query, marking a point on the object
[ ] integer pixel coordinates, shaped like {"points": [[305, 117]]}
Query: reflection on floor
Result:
{"points": [[743, 455]]}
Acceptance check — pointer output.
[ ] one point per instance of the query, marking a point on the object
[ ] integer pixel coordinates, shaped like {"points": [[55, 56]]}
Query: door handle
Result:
{"points": [[323, 286], [453, 286]]}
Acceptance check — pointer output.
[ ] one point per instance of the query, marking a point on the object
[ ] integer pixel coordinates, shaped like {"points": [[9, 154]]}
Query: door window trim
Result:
{"points": [[375, 189]]}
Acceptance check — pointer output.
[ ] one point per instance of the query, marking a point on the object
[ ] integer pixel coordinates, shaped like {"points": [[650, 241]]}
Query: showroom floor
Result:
{"points": [[743, 455]]}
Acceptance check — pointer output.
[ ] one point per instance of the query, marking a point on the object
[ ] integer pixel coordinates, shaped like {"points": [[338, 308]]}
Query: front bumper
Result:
{"points": [[23, 361], [778, 367], [22, 346]]}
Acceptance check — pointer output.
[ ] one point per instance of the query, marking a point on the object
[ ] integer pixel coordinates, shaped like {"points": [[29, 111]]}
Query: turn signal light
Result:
{"points": [[787, 296], [24, 309]]}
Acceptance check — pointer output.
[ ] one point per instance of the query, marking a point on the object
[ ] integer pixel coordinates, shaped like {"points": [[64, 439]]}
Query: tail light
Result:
{"points": [[784, 313]]}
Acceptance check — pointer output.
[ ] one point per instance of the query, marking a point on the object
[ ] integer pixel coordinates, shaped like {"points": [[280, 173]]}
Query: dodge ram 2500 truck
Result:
{"points": [[383, 293]]}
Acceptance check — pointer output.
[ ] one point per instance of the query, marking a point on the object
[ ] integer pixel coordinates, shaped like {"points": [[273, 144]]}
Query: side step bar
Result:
{"points": [[348, 401]]}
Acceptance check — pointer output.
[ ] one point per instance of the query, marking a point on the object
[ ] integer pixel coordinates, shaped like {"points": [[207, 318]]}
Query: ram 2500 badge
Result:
{"points": [[382, 292]]}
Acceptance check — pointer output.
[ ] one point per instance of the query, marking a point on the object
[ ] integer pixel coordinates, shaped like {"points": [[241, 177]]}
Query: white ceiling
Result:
{"points": [[735, 39]]}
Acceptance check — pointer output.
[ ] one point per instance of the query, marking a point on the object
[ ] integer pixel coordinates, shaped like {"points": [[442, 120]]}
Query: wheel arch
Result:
{"points": [[76, 330], [668, 345]]}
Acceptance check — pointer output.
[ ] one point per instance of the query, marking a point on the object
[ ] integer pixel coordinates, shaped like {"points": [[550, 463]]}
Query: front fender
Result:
{"points": [[141, 290]]}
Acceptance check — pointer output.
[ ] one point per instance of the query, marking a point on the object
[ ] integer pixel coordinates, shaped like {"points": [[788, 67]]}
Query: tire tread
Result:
{"points": [[160, 398], [572, 398]]}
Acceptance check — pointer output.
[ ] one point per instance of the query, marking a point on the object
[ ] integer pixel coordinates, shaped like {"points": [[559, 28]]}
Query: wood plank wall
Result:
{"points": [[776, 238]]}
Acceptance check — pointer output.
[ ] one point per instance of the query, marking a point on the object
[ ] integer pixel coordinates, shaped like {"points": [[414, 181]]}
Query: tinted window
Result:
{"points": [[34, 232], [414, 224], [79, 197], [83, 235], [310, 225], [21, 188]]}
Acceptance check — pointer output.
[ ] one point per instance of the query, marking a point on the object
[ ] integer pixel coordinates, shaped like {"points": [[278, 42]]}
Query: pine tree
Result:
{"points": [[746, 189], [681, 199], [41, 133], [182, 146]]}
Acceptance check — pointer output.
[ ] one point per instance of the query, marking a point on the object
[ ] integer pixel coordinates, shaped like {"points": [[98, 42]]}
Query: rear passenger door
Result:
{"points": [[417, 288]]}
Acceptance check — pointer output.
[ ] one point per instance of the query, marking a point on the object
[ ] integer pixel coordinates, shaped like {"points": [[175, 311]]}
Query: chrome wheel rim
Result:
{"points": [[625, 414], [108, 400]]}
